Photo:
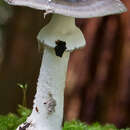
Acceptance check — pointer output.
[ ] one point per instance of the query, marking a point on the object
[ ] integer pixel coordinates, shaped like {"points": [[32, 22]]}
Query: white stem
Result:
{"points": [[62, 23], [47, 113]]}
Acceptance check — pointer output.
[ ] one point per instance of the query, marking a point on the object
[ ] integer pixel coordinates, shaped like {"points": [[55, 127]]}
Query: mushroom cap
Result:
{"points": [[75, 8]]}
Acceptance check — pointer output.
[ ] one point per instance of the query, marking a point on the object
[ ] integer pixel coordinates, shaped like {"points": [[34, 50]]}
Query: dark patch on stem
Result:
{"points": [[51, 104], [36, 109], [60, 48]]}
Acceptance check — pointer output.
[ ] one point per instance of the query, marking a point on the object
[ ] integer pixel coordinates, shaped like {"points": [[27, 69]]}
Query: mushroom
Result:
{"points": [[60, 37]]}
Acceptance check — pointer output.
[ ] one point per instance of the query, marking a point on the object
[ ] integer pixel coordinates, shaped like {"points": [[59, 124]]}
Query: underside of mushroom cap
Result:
{"points": [[75, 8]]}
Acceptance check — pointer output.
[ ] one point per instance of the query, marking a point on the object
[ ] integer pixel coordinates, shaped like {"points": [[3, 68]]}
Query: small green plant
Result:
{"points": [[24, 88]]}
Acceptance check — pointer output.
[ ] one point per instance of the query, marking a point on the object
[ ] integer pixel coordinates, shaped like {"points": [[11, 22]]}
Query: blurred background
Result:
{"points": [[98, 78]]}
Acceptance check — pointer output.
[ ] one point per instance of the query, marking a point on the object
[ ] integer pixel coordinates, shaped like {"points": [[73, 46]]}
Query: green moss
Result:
{"points": [[11, 121], [77, 125]]}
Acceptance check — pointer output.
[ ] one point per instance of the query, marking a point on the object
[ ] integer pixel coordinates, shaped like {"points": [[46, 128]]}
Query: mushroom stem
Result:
{"points": [[47, 113], [50, 92], [60, 37], [62, 23]]}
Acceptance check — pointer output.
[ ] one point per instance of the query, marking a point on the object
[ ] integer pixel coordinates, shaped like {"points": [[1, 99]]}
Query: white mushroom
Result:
{"points": [[47, 113], [60, 37]]}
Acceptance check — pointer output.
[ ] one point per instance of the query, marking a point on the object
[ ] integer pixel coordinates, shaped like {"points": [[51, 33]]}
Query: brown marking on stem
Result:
{"points": [[36, 109]]}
